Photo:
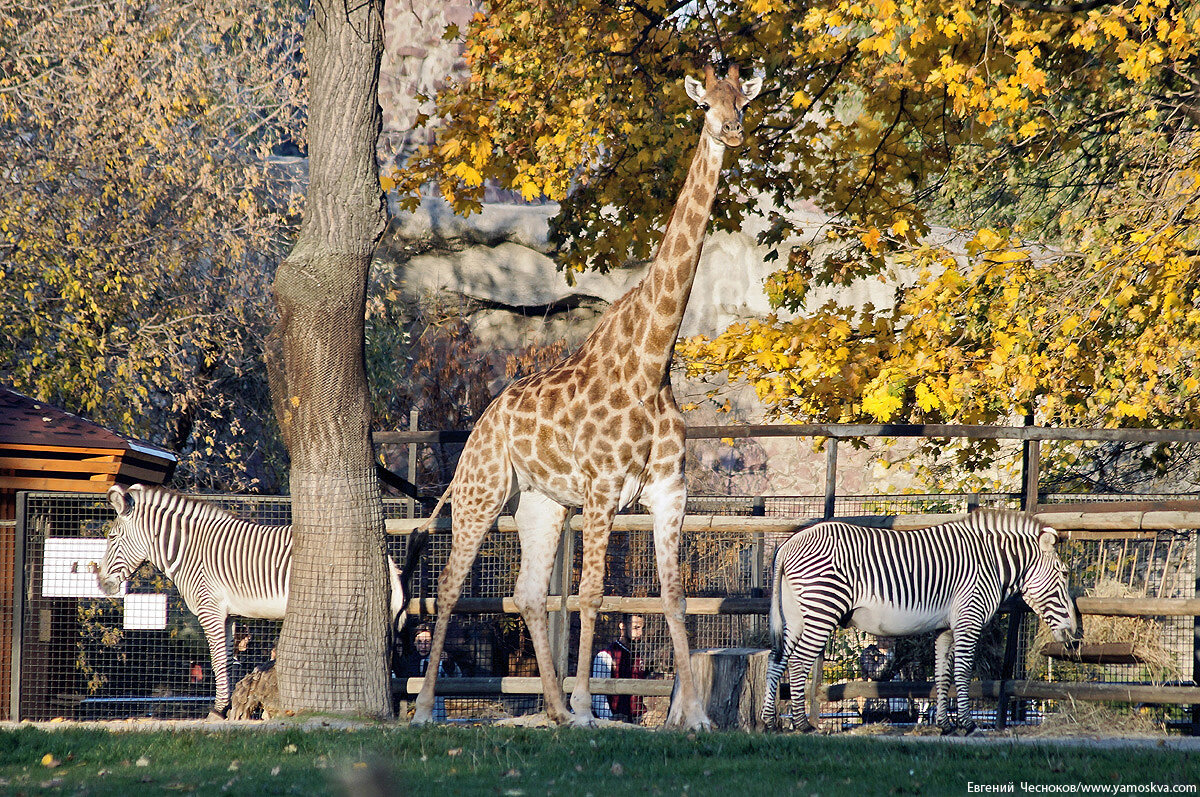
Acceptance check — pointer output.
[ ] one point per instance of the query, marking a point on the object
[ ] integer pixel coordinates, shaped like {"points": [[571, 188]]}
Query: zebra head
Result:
{"points": [[1044, 587], [128, 541]]}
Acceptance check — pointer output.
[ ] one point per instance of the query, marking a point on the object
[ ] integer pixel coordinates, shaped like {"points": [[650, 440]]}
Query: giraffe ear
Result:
{"points": [[694, 89], [751, 87]]}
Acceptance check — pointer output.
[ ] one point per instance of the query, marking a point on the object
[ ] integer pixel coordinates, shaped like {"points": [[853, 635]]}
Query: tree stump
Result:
{"points": [[732, 683], [256, 696]]}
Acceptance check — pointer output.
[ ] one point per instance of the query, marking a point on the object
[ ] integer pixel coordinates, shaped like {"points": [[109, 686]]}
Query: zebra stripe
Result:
{"points": [[950, 578], [221, 565]]}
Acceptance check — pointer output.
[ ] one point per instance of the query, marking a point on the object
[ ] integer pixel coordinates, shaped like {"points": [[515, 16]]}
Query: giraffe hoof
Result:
{"points": [[582, 721], [421, 718]]}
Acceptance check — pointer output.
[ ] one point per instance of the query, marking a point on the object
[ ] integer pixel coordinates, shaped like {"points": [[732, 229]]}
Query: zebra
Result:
{"points": [[950, 578], [220, 564]]}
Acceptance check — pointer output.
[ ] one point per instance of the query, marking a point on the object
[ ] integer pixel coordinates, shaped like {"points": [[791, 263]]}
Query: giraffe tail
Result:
{"points": [[419, 540]]}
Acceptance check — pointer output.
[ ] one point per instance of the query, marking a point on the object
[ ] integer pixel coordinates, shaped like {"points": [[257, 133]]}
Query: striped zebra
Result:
{"points": [[949, 578], [220, 564]]}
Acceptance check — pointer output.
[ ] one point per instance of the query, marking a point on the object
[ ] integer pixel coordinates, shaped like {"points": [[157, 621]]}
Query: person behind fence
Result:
{"points": [[877, 661], [415, 663], [241, 663], [617, 660]]}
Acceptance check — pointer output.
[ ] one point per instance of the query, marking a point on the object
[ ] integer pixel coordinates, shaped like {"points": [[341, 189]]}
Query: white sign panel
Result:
{"points": [[145, 612], [69, 567]]}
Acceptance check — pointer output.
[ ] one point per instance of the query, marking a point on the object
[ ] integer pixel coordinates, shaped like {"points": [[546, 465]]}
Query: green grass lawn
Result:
{"points": [[522, 761]]}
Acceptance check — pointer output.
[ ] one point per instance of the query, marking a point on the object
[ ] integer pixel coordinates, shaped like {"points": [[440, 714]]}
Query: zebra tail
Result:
{"points": [[776, 614]]}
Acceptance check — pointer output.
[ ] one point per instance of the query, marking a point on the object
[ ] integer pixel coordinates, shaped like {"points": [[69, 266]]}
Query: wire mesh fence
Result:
{"points": [[83, 655]]}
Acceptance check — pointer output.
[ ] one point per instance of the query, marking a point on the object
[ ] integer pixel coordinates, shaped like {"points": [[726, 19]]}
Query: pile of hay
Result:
{"points": [[1145, 634], [1078, 718]]}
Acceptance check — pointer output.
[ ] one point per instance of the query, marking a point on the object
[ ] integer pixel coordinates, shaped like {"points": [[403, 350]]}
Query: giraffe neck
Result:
{"points": [[645, 322]]}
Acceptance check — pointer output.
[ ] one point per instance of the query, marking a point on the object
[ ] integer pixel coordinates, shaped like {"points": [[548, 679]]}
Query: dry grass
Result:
{"points": [[1077, 718], [1160, 663]]}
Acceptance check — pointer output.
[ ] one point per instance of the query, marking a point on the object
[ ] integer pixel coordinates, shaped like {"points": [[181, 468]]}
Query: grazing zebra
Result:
{"points": [[949, 578], [220, 564]]}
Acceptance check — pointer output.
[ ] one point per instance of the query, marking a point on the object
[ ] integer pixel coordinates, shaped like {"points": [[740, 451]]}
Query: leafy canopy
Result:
{"points": [[141, 218], [1060, 139]]}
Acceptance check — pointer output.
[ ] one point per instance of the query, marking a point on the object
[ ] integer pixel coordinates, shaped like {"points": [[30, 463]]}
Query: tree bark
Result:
{"points": [[332, 647]]}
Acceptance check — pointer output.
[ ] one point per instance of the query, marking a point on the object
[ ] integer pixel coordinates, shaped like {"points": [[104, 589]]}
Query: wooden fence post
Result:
{"points": [[831, 454]]}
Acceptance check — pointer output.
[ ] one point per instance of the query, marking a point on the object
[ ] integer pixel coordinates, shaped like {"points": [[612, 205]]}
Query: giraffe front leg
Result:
{"points": [[941, 677], [597, 526], [539, 525], [666, 501]]}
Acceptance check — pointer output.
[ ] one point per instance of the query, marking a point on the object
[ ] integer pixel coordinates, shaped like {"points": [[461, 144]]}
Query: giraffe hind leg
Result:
{"points": [[666, 500], [473, 513]]}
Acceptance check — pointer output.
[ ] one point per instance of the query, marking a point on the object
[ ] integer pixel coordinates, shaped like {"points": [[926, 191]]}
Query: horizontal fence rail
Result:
{"points": [[1104, 607], [1070, 517], [845, 431], [1037, 690]]}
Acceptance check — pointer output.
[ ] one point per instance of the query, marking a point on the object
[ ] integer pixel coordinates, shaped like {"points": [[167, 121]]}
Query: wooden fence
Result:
{"points": [[1123, 520], [1085, 521]]}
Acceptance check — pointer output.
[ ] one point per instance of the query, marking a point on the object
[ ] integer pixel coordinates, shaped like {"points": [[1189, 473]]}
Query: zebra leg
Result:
{"points": [[770, 713], [941, 657], [965, 641], [539, 526], [800, 656], [214, 626], [775, 670]]}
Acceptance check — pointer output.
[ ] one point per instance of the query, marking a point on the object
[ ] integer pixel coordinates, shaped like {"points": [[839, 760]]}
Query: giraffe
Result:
{"points": [[598, 430]]}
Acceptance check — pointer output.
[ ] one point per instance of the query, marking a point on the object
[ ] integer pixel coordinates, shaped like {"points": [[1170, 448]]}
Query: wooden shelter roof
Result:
{"points": [[45, 448]]}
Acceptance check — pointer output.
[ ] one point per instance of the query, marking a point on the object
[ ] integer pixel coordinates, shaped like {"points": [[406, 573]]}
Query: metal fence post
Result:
{"points": [[413, 423], [1195, 730], [757, 554], [20, 538], [560, 583]]}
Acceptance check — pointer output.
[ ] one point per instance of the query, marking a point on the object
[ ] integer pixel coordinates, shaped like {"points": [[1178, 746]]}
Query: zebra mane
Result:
{"points": [[191, 508], [1004, 522]]}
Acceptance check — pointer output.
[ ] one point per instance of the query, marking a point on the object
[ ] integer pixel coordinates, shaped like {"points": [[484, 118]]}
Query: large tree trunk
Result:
{"points": [[332, 655]]}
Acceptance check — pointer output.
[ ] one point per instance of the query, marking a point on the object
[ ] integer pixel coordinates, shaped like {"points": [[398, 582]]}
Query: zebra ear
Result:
{"points": [[1047, 539], [119, 498]]}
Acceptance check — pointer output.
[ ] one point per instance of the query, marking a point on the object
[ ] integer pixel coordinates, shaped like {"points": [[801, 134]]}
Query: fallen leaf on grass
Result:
{"points": [[142, 762], [49, 761], [454, 751], [234, 765]]}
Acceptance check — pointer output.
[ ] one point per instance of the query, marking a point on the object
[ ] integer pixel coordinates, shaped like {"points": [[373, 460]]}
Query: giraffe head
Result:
{"points": [[723, 101]]}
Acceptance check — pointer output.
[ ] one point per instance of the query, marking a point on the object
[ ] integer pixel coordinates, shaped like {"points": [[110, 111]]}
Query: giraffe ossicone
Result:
{"points": [[598, 431]]}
